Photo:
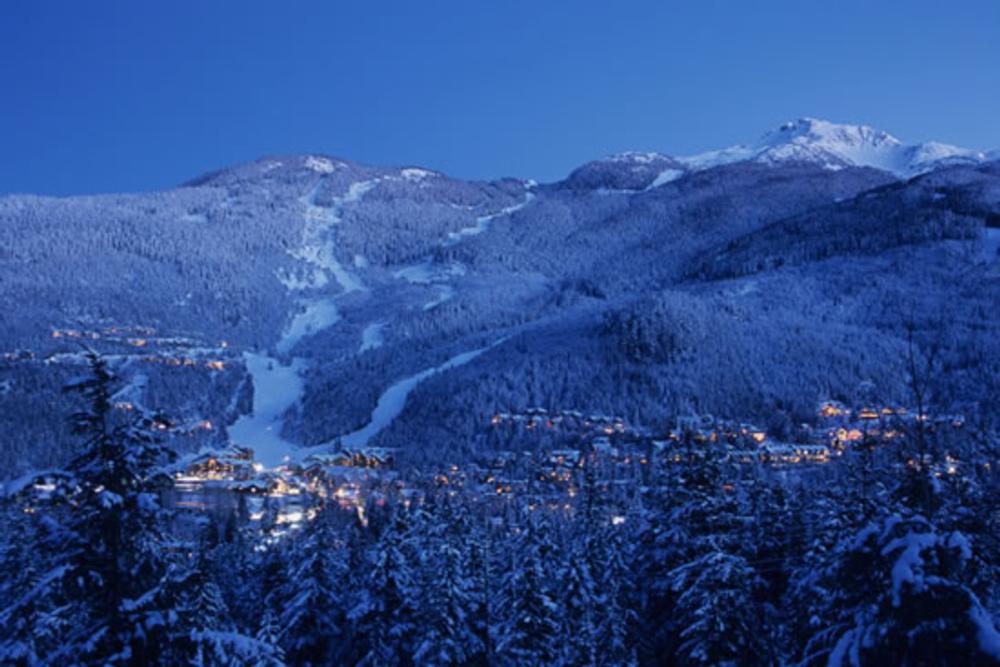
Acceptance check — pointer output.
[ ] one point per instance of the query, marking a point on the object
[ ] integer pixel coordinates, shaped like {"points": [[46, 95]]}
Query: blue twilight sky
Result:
{"points": [[103, 96]]}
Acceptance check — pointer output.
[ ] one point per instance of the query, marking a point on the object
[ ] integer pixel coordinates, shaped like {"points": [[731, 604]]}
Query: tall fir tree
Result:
{"points": [[33, 616], [114, 557], [529, 631], [898, 592], [446, 634], [719, 622], [312, 621], [384, 610]]}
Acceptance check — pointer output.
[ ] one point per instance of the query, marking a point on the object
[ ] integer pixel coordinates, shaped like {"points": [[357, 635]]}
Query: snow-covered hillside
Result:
{"points": [[625, 172], [283, 302]]}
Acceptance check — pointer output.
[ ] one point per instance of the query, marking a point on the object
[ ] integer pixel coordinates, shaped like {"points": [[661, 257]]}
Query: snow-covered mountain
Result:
{"points": [[806, 141], [300, 299], [836, 146]]}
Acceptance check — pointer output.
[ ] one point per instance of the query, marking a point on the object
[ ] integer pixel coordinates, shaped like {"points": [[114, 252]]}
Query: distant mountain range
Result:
{"points": [[297, 301]]}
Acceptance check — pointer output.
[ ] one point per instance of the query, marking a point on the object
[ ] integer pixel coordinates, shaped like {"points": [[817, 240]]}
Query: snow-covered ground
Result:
{"points": [[445, 292], [371, 337], [318, 252], [417, 274], [317, 249], [483, 222], [320, 165], [133, 391], [416, 174], [427, 272], [393, 400], [276, 388], [317, 315], [432, 274], [665, 177]]}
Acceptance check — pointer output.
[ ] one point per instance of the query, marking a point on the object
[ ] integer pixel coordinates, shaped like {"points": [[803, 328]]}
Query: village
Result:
{"points": [[836, 428], [543, 455], [128, 342], [592, 453]]}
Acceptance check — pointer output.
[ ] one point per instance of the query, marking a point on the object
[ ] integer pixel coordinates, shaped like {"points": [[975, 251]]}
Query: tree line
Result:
{"points": [[885, 557]]}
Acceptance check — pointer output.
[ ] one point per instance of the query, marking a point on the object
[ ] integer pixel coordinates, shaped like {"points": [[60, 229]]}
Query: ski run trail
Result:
{"points": [[277, 382]]}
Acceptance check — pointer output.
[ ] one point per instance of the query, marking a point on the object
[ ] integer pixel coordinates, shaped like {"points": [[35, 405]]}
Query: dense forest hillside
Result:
{"points": [[642, 285], [740, 408]]}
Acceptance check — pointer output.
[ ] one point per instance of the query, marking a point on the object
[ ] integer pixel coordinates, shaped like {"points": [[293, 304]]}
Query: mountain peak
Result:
{"points": [[832, 145], [637, 157], [813, 131], [838, 146]]}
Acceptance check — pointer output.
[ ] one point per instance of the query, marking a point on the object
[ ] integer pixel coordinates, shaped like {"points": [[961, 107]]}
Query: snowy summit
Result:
{"points": [[837, 146]]}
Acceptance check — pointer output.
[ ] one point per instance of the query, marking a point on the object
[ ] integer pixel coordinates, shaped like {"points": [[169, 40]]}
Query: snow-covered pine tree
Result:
{"points": [[703, 512], [814, 522], [529, 631], [446, 633], [719, 621], [200, 607], [662, 545], [237, 555], [971, 505], [711, 614], [272, 574], [195, 620], [269, 634], [269, 517], [581, 603], [480, 572], [617, 621], [829, 515], [114, 558], [383, 612], [312, 620], [32, 618], [899, 593]]}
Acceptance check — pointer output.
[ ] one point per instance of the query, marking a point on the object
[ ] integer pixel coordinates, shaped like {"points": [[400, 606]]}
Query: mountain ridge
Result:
{"points": [[805, 140]]}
